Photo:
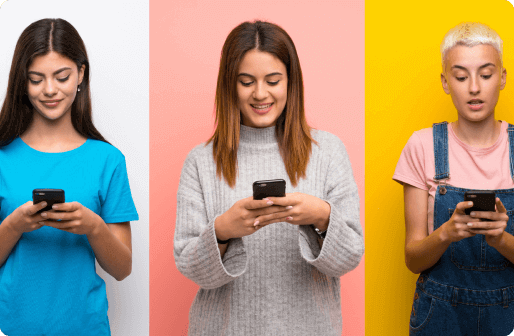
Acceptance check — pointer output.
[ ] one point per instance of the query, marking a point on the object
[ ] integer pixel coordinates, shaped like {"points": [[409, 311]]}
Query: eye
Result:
{"points": [[246, 83], [461, 79], [62, 80], [35, 82], [273, 83], [486, 76]]}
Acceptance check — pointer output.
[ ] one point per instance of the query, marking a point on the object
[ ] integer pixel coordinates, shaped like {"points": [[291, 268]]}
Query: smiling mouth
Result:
{"points": [[51, 103], [261, 106]]}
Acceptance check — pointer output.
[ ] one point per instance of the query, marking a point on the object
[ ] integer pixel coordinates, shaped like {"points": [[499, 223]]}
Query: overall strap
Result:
{"points": [[510, 131], [442, 167]]}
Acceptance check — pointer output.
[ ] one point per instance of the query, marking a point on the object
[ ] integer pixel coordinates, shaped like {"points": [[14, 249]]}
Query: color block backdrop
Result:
{"points": [[186, 38], [404, 94]]}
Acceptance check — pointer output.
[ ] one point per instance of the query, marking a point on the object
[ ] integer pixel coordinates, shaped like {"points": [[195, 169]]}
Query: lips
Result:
{"points": [[51, 103], [261, 108], [476, 104]]}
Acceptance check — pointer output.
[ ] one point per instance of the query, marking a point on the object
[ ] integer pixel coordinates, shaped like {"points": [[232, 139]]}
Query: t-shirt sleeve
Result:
{"points": [[411, 165], [343, 245], [118, 205]]}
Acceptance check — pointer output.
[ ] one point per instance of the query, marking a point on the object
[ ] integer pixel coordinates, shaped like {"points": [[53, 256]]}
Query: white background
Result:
{"points": [[116, 35]]}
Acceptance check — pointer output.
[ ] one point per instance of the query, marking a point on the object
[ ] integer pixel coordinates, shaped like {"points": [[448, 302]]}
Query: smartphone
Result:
{"points": [[269, 188], [482, 201], [51, 196]]}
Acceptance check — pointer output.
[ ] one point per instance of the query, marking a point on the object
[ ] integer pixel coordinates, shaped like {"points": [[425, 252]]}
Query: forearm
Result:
{"points": [[8, 238], [114, 256], [506, 246], [423, 254]]}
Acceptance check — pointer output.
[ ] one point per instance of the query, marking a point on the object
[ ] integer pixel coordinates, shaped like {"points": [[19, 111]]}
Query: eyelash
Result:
{"points": [[250, 83], [62, 80], [462, 79]]}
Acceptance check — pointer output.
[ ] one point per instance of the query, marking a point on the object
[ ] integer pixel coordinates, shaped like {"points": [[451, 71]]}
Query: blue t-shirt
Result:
{"points": [[48, 284]]}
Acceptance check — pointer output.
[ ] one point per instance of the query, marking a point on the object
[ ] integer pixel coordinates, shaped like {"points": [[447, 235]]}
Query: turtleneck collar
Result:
{"points": [[252, 135]]}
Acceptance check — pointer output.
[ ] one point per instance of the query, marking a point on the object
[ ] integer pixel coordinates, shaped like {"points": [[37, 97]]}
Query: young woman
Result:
{"points": [[48, 282], [271, 266], [466, 286]]}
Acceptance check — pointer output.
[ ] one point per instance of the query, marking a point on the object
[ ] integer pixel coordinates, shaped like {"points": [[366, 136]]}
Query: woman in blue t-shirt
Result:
{"points": [[48, 281]]}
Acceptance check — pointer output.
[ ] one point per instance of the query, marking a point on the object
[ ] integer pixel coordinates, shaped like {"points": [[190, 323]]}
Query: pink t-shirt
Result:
{"points": [[470, 167]]}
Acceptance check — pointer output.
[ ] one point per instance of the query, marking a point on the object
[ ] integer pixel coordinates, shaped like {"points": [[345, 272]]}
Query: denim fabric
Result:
{"points": [[470, 290]]}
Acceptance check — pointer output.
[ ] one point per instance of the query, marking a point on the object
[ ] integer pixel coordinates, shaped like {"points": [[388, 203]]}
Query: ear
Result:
{"points": [[81, 73], [446, 88], [504, 78]]}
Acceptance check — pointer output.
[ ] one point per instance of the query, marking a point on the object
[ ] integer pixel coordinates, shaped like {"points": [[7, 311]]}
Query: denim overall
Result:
{"points": [[470, 290]]}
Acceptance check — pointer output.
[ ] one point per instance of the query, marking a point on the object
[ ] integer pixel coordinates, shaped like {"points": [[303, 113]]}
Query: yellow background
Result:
{"points": [[404, 94]]}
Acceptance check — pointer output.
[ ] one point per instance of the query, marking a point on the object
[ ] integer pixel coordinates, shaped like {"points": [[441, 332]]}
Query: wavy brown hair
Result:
{"points": [[38, 39], [292, 131]]}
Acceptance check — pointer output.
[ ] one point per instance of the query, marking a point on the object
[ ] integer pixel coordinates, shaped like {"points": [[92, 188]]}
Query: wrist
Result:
{"points": [[498, 242], [98, 225], [322, 223], [443, 236], [8, 223], [218, 229]]}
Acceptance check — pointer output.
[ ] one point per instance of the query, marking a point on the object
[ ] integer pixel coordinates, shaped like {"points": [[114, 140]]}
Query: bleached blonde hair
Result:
{"points": [[470, 34]]}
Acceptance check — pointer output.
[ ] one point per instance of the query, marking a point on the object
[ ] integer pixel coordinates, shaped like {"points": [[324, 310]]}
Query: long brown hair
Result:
{"points": [[39, 39], [292, 132]]}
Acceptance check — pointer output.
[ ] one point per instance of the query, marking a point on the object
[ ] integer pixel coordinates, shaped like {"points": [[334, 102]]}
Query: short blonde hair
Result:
{"points": [[470, 34]]}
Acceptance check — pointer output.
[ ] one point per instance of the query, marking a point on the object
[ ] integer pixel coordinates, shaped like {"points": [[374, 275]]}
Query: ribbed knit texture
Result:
{"points": [[276, 281]]}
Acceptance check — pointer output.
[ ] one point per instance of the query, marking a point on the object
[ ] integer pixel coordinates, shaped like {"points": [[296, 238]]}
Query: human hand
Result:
{"points": [[25, 218], [494, 228], [457, 228], [243, 218], [72, 217], [302, 209]]}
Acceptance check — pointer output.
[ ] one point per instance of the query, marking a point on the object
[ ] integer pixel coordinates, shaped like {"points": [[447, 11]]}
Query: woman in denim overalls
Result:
{"points": [[466, 286]]}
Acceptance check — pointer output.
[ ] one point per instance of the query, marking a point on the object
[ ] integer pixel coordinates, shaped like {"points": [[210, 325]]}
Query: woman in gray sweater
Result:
{"points": [[271, 266]]}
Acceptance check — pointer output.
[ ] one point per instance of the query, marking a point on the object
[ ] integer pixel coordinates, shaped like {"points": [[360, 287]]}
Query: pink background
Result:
{"points": [[186, 38]]}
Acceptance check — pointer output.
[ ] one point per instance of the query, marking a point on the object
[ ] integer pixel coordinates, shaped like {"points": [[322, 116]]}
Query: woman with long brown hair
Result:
{"points": [[257, 278], [48, 281]]}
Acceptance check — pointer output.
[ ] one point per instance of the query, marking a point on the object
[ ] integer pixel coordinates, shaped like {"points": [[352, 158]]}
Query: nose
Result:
{"points": [[260, 92], [49, 88], [474, 85]]}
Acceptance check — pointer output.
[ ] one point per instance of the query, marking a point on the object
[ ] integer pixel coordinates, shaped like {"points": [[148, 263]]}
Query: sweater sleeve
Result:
{"points": [[343, 245], [196, 251]]}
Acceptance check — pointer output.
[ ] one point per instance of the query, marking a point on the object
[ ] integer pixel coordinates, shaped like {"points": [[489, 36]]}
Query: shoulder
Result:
{"points": [[104, 150], [200, 155], [327, 142]]}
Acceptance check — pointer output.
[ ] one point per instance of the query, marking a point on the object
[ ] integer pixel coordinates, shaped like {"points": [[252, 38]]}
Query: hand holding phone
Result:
{"points": [[269, 188], [50, 196], [482, 201]]}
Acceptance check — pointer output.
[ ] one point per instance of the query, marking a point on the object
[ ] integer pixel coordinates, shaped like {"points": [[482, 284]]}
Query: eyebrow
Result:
{"points": [[43, 75], [268, 75], [481, 67]]}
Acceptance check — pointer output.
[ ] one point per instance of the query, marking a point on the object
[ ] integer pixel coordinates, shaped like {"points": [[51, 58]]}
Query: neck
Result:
{"points": [[478, 134], [52, 135]]}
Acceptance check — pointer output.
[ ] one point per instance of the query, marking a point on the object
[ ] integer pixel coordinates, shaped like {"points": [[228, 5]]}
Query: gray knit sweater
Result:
{"points": [[276, 281]]}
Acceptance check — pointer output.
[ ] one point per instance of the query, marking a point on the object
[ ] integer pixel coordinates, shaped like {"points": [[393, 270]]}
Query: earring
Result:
{"points": [[78, 89]]}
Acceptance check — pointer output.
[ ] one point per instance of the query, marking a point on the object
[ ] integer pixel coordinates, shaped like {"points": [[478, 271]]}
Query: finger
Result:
{"points": [[34, 208], [485, 225], [494, 216], [272, 221], [271, 217], [58, 216], [270, 210], [58, 225], [461, 206], [283, 201], [69, 207], [252, 204], [499, 206], [491, 233]]}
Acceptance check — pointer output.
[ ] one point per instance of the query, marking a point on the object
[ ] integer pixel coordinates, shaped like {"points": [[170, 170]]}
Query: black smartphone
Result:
{"points": [[483, 200], [51, 196], [269, 188]]}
